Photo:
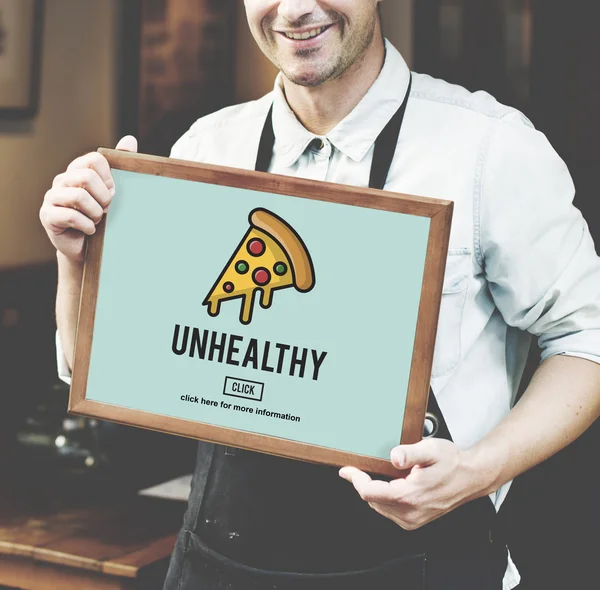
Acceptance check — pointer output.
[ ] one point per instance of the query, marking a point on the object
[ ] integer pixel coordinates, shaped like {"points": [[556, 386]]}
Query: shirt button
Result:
{"points": [[318, 143]]}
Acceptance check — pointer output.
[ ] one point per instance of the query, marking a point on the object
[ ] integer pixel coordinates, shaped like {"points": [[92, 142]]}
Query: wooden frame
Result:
{"points": [[439, 213], [20, 58]]}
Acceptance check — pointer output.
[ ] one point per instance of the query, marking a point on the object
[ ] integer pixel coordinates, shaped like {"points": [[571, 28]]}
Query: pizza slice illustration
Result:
{"points": [[271, 256]]}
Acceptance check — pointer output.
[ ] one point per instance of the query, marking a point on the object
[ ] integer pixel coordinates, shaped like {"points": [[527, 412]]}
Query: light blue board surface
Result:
{"points": [[167, 241]]}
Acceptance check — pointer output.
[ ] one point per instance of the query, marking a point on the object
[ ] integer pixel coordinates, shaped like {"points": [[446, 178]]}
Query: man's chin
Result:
{"points": [[309, 77]]}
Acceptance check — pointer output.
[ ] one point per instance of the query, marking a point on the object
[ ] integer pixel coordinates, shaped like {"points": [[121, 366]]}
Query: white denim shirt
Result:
{"points": [[521, 259]]}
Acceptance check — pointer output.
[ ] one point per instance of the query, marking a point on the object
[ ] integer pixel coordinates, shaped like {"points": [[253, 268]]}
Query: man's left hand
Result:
{"points": [[439, 477]]}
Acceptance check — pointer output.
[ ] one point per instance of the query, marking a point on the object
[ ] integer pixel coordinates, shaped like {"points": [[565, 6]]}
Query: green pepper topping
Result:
{"points": [[242, 267], [280, 268]]}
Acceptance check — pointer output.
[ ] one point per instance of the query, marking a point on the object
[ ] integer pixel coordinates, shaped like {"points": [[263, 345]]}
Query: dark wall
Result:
{"points": [[552, 511], [27, 362], [33, 401], [555, 510], [566, 92]]}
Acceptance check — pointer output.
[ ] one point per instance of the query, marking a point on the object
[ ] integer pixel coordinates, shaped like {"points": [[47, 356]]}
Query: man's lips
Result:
{"points": [[304, 37]]}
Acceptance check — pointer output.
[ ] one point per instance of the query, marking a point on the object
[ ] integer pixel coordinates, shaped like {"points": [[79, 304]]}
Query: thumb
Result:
{"points": [[408, 456], [128, 144]]}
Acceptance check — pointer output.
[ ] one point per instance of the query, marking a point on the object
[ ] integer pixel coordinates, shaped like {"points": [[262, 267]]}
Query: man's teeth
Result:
{"points": [[307, 35]]}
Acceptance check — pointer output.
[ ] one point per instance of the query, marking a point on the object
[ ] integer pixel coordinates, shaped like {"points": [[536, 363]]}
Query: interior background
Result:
{"points": [[552, 514]]}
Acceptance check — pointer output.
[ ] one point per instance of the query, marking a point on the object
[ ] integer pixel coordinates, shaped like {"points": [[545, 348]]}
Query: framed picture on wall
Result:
{"points": [[282, 315], [20, 57]]}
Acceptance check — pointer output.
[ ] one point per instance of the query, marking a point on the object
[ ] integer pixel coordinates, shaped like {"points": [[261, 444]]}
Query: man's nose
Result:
{"points": [[293, 10]]}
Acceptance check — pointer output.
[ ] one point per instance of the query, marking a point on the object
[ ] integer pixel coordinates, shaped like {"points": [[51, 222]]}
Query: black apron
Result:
{"points": [[269, 514]]}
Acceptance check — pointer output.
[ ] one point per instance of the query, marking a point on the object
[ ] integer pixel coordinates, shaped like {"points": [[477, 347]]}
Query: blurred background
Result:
{"points": [[78, 75]]}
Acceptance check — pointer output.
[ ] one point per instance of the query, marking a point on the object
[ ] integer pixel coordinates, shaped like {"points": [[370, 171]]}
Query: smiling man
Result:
{"points": [[346, 109]]}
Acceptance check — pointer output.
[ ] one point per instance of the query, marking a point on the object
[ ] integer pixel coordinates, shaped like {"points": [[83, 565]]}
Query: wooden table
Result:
{"points": [[120, 544]]}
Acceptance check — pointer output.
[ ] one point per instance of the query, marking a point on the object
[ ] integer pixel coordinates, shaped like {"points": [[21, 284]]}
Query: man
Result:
{"points": [[521, 263]]}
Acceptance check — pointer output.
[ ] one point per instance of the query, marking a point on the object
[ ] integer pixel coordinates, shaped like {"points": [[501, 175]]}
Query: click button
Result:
{"points": [[243, 388]]}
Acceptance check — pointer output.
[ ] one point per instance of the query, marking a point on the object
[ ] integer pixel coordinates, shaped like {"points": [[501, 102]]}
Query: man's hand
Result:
{"points": [[72, 208], [440, 478], [77, 201], [560, 403]]}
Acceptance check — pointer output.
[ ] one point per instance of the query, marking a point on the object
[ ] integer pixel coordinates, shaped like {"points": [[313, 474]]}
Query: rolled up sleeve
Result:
{"points": [[64, 373], [535, 246]]}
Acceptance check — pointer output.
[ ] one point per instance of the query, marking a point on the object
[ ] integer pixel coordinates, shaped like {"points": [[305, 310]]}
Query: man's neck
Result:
{"points": [[321, 108]]}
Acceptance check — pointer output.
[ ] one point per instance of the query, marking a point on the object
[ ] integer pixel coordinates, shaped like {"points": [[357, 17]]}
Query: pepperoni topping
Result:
{"points": [[256, 247], [242, 267], [261, 276], [280, 268], [228, 287]]}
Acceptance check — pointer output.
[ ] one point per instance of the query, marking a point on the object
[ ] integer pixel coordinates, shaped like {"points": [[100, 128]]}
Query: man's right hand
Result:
{"points": [[77, 201]]}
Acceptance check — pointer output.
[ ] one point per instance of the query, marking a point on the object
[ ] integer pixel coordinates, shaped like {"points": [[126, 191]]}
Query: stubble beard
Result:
{"points": [[348, 56]]}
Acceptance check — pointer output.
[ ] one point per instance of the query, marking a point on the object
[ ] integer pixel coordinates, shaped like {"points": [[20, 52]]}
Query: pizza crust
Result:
{"points": [[292, 244]]}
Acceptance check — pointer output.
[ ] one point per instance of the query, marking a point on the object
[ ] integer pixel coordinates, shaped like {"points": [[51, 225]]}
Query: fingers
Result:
{"points": [[92, 161], [128, 144], [424, 453], [88, 179], [372, 490], [60, 219], [386, 498], [80, 171], [408, 519], [355, 476], [78, 199]]}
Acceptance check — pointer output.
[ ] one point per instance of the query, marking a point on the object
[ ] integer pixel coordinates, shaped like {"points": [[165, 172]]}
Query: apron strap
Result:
{"points": [[385, 146], [266, 145]]}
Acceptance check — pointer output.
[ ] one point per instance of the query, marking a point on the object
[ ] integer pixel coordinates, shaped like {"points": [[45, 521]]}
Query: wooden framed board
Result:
{"points": [[276, 314]]}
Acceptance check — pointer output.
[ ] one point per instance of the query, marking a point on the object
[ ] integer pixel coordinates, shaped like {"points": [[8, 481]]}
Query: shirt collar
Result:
{"points": [[356, 133]]}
